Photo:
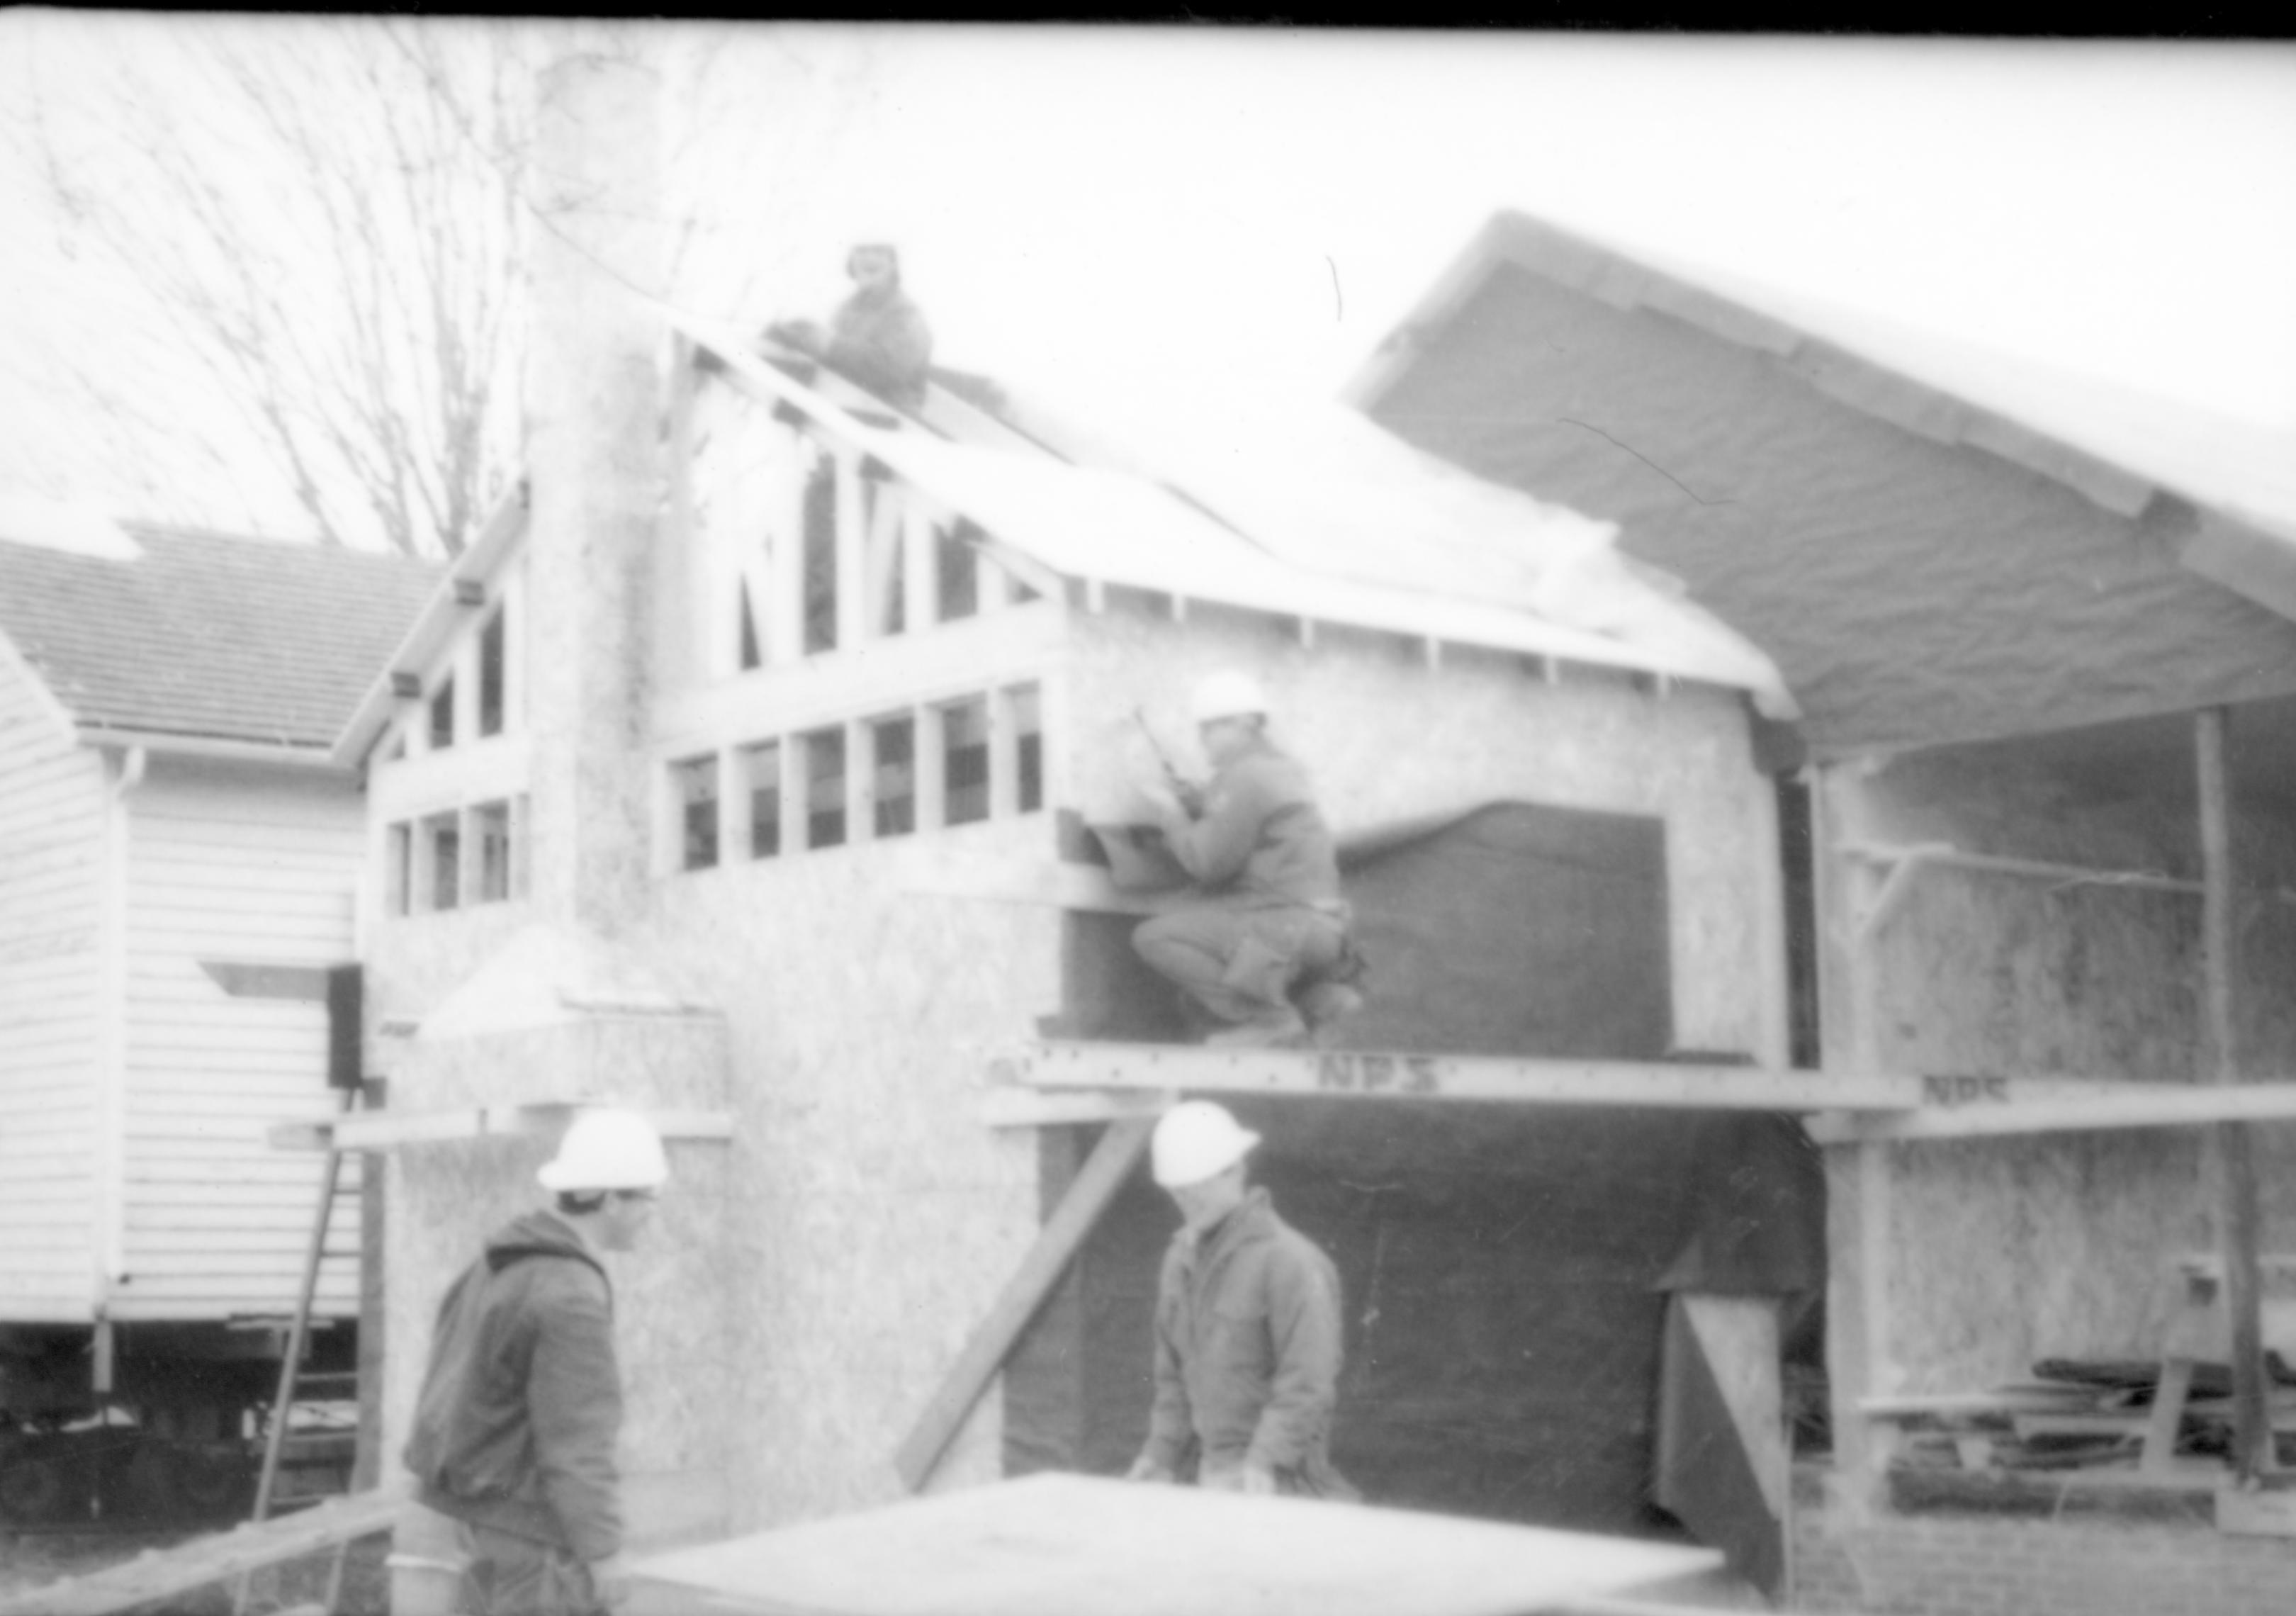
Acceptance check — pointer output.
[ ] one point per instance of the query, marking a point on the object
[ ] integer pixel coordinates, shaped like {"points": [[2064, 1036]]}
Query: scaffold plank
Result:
{"points": [[1356, 1074]]}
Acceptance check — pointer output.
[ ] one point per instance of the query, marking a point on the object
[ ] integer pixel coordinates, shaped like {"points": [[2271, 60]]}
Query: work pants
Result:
{"points": [[1240, 964], [504, 1574]]}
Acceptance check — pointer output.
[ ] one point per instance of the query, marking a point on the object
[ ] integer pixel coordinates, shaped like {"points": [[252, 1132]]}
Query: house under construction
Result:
{"points": [[757, 766]]}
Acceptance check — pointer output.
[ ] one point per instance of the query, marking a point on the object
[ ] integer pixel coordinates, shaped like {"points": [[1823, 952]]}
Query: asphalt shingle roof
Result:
{"points": [[208, 636]]}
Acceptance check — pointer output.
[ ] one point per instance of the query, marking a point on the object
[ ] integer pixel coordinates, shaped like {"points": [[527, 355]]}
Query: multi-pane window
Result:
{"points": [[934, 766], [452, 859]]}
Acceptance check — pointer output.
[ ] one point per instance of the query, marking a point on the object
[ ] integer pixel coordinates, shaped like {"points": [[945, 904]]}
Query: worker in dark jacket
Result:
{"points": [[877, 337], [1270, 922], [515, 1432], [1248, 1331]]}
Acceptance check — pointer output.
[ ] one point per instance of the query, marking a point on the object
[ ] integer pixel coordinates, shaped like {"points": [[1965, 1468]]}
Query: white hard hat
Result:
{"points": [[607, 1149], [1194, 1140], [1229, 694]]}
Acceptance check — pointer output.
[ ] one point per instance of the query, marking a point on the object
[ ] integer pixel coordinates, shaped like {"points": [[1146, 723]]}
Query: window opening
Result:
{"points": [[750, 655], [442, 834], [824, 787], [442, 714], [696, 780], [490, 825], [399, 870], [761, 774], [959, 570], [964, 761], [491, 676], [820, 557], [1029, 740], [893, 775]]}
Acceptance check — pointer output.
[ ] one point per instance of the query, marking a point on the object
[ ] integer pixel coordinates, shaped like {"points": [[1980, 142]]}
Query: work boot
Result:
{"points": [[1327, 1006], [1272, 1029]]}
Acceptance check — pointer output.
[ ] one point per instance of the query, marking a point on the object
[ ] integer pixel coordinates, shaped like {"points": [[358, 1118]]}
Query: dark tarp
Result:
{"points": [[1500, 1263]]}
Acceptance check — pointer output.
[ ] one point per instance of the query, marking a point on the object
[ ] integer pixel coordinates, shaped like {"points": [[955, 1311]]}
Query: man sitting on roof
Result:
{"points": [[1256, 845], [877, 337]]}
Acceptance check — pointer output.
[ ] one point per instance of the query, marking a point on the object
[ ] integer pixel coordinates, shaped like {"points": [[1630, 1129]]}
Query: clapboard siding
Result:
{"points": [[52, 796], [246, 866]]}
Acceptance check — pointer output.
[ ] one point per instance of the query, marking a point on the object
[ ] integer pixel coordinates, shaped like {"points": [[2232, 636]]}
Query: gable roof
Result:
{"points": [[1926, 564], [2115, 446], [1298, 509], [205, 641]]}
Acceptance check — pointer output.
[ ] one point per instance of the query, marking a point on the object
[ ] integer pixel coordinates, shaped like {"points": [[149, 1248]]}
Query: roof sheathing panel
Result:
{"points": [[1912, 590]]}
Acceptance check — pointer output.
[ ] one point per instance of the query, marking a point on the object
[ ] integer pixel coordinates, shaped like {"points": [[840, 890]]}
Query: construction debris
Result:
{"points": [[159, 1574]]}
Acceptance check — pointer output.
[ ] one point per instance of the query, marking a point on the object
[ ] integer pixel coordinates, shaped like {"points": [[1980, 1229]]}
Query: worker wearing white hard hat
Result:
{"points": [[1248, 1325], [878, 336], [1264, 956], [515, 1432]]}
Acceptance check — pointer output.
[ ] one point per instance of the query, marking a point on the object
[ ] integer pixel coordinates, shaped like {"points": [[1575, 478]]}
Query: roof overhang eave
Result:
{"points": [[315, 757], [433, 626]]}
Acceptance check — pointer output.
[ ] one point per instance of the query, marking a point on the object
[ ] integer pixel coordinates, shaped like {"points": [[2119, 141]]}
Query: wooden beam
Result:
{"points": [[1358, 1074], [1005, 1107], [2238, 1217], [167, 1574], [2028, 1107], [384, 1130], [1103, 1173]]}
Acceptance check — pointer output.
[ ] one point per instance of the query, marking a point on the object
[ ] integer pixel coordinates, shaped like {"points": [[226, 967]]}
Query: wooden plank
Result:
{"points": [[1054, 1545], [1103, 1173], [159, 1574], [2103, 1105], [1048, 1107], [382, 1130], [1358, 1074]]}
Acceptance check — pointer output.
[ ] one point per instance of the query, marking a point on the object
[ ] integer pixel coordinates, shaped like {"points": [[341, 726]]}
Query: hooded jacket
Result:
{"points": [[1248, 1351], [521, 1405]]}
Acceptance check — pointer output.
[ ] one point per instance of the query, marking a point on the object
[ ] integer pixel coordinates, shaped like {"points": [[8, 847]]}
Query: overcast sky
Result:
{"points": [[1165, 210]]}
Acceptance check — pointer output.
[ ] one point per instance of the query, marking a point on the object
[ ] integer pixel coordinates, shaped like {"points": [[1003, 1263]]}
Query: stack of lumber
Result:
{"points": [[2071, 1416]]}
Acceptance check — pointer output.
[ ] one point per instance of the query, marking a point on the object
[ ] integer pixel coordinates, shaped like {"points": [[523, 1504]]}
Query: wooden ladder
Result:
{"points": [[291, 1363]]}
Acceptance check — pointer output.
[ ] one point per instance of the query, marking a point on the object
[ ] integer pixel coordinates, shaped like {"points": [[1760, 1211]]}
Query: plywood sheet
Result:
{"points": [[1074, 1546]]}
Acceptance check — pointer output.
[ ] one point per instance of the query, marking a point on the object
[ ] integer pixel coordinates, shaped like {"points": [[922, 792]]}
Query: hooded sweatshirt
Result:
{"points": [[521, 1404]]}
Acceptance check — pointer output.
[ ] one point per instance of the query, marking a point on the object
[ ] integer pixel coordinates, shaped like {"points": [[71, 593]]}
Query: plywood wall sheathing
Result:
{"points": [[1387, 737], [1979, 973]]}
